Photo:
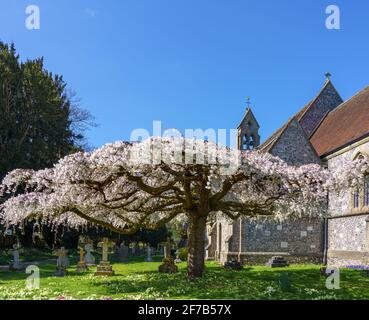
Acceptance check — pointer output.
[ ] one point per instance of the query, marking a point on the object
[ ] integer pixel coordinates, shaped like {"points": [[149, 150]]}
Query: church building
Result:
{"points": [[326, 131]]}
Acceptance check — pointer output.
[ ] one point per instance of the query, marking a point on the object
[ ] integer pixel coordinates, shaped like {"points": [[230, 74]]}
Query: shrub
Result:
{"points": [[182, 254]]}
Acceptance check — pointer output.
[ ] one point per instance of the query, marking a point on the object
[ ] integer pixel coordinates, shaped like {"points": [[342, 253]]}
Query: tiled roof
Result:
{"points": [[345, 124]]}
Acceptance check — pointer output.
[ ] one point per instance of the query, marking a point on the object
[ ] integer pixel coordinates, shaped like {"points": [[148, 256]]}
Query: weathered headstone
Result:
{"points": [[149, 257], [62, 262], [89, 258], [137, 249], [81, 266], [133, 250], [105, 268], [123, 253], [233, 265], [168, 249], [277, 262], [168, 266], [16, 265]]}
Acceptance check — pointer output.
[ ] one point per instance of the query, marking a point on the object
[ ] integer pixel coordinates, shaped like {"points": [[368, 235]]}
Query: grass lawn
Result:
{"points": [[140, 280]]}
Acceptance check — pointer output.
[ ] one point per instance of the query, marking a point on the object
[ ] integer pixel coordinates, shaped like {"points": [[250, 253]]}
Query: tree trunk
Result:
{"points": [[196, 246]]}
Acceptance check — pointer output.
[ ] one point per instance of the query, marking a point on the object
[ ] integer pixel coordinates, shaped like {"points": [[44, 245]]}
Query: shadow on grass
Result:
{"points": [[136, 279], [248, 284]]}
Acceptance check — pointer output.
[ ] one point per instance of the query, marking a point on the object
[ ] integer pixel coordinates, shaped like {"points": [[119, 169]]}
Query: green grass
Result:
{"points": [[140, 280]]}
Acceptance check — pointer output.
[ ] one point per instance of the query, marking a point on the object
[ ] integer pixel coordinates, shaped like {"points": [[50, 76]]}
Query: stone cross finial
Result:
{"points": [[248, 102], [328, 76], [105, 245]]}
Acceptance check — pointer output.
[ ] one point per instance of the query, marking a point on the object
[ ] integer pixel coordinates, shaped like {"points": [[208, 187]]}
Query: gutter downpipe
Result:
{"points": [[325, 237]]}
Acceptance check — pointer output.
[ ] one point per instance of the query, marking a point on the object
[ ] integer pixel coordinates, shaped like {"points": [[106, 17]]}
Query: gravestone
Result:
{"points": [[62, 263], [105, 268], [123, 253], [168, 249], [81, 266], [277, 262], [177, 259], [89, 258], [137, 249], [168, 266], [16, 265], [133, 250], [149, 257], [233, 265]]}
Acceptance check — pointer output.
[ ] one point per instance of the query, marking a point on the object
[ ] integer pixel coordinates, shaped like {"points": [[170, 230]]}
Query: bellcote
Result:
{"points": [[248, 132]]}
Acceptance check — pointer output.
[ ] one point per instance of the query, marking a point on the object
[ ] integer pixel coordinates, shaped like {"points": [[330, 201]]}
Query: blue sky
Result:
{"points": [[192, 63]]}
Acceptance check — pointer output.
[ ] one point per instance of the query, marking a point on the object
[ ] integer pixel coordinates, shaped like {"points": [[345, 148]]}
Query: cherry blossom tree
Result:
{"points": [[127, 186]]}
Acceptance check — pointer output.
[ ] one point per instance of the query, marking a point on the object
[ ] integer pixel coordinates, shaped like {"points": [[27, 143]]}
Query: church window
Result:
{"points": [[245, 142], [366, 191], [360, 195], [252, 143], [356, 198]]}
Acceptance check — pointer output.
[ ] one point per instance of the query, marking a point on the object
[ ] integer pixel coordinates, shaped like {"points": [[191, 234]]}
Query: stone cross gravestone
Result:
{"points": [[105, 268], [149, 257], [62, 262], [81, 266], [89, 258]]}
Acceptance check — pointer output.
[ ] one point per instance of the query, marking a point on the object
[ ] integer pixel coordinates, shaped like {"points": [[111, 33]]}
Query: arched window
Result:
{"points": [[245, 142], [252, 142], [366, 191], [356, 198], [360, 195]]}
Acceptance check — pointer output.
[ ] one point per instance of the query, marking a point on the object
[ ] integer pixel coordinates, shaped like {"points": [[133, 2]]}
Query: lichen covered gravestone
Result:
{"points": [[168, 249], [123, 252], [149, 257], [105, 268], [16, 265], [89, 258], [277, 262], [81, 266], [62, 262], [168, 266]]}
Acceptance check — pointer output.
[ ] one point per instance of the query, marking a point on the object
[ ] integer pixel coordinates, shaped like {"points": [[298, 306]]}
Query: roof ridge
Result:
{"points": [[348, 100], [319, 124], [348, 122], [326, 83]]}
